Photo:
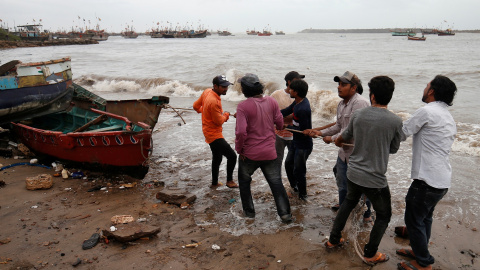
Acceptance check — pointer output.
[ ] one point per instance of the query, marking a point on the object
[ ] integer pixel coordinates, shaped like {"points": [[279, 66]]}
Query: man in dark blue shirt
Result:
{"points": [[302, 144]]}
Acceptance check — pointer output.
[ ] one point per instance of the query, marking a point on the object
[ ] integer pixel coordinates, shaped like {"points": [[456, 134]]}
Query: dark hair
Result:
{"points": [[216, 81], [249, 91], [300, 86], [443, 89], [382, 88], [359, 87]]}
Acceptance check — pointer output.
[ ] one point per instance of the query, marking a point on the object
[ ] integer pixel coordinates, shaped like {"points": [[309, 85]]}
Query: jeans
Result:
{"points": [[296, 165], [280, 144], [270, 170], [341, 177], [221, 148], [381, 201], [420, 201]]}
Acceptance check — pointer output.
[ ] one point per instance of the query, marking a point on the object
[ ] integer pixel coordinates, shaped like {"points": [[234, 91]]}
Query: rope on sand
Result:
{"points": [[24, 163], [356, 222]]}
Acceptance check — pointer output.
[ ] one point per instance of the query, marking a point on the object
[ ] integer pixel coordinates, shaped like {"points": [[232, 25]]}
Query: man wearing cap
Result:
{"points": [[377, 132], [210, 106], [257, 118], [284, 137], [296, 163], [349, 89]]}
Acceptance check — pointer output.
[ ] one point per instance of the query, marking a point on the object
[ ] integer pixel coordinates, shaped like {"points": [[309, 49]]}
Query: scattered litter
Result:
{"points": [[184, 205], [103, 188], [231, 201], [194, 245], [122, 219], [41, 181], [113, 228], [279, 261], [33, 161], [142, 220], [34, 206], [68, 188], [215, 247], [77, 175], [65, 174]]}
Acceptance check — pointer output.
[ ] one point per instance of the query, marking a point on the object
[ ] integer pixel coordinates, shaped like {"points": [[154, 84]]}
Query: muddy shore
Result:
{"points": [[45, 229], [6, 44]]}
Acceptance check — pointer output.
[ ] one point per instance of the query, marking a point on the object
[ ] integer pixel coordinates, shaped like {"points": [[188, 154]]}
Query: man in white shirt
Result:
{"points": [[433, 130], [284, 138]]}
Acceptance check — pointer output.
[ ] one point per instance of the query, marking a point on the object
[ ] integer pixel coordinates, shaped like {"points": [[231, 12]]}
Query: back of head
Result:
{"points": [[301, 87], [444, 89], [251, 85], [382, 88]]}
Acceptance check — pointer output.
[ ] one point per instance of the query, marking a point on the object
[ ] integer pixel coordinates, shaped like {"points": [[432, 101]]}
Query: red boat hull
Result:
{"points": [[115, 148]]}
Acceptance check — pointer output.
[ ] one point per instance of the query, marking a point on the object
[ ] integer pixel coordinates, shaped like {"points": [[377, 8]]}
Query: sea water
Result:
{"points": [[182, 68]]}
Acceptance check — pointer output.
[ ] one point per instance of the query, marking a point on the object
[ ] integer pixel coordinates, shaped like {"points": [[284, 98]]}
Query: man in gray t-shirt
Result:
{"points": [[377, 133]]}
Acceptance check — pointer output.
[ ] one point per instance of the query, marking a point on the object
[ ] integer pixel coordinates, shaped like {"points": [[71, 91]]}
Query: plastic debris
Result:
{"points": [[65, 174], [215, 247], [122, 219], [113, 228]]}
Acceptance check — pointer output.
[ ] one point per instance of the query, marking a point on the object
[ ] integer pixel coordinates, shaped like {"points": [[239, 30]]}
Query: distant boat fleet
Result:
{"points": [[411, 34]]}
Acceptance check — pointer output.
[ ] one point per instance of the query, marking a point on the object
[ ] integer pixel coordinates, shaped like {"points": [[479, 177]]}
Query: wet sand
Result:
{"points": [[51, 235]]}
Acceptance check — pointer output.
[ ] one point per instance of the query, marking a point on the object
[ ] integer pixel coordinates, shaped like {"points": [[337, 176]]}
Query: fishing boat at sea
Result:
{"points": [[91, 137], [136, 110], [422, 38], [408, 32], [252, 32], [129, 32], [34, 89], [224, 33], [279, 33], [265, 33], [447, 32]]}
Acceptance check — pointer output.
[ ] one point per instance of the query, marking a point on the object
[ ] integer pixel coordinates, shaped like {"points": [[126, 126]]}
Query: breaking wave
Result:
{"points": [[323, 102]]}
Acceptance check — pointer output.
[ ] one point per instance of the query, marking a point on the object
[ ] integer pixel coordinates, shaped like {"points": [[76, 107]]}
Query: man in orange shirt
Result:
{"points": [[210, 106]]}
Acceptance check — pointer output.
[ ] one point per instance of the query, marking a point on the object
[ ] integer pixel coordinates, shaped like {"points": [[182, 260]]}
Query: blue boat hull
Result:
{"points": [[23, 103]]}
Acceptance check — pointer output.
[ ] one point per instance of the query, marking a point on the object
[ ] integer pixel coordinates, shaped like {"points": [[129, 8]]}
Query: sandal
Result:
{"points": [[378, 258], [330, 245], [91, 242], [219, 184], [401, 231], [406, 253], [413, 265], [232, 184]]}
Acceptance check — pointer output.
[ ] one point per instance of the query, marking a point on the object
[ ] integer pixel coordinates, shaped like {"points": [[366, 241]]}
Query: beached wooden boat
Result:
{"points": [[33, 89], [136, 110], [87, 136], [422, 38]]}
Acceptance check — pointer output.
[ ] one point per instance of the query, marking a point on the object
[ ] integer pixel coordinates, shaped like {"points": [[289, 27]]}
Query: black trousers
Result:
{"points": [[221, 148]]}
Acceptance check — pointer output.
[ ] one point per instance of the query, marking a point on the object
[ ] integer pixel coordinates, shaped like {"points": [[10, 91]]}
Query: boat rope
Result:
{"points": [[24, 163], [168, 106], [299, 131]]}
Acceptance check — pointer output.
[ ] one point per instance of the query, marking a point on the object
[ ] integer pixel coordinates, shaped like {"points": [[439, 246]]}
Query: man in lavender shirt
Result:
{"points": [[257, 118]]}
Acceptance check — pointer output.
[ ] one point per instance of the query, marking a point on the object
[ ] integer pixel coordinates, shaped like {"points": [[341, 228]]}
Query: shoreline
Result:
{"points": [[9, 44], [67, 214]]}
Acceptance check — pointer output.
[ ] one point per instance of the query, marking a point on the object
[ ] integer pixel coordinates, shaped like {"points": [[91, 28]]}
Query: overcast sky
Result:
{"points": [[239, 15]]}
